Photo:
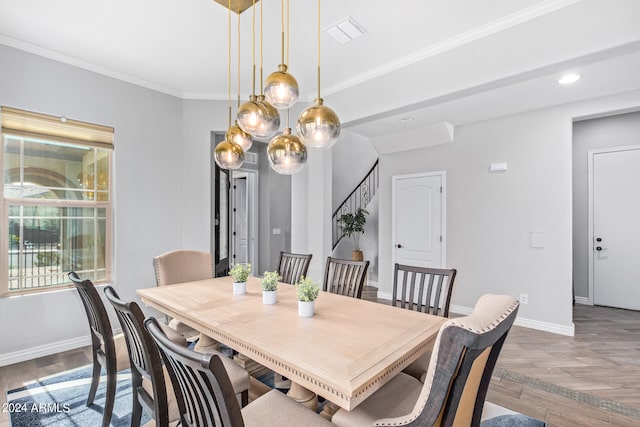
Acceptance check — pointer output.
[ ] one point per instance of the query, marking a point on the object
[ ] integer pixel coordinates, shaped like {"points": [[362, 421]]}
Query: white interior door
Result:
{"points": [[616, 228], [240, 220], [418, 220]]}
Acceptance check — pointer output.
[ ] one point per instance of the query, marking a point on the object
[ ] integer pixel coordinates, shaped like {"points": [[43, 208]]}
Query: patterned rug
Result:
{"points": [[60, 400]]}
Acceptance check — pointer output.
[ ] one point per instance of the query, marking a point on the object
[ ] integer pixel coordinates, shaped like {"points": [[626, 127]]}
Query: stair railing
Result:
{"points": [[358, 198]]}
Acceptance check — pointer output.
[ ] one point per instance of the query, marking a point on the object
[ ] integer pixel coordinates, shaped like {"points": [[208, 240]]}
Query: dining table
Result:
{"points": [[345, 352]]}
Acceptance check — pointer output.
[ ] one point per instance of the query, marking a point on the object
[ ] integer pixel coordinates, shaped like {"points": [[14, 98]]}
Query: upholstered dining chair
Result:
{"points": [[109, 352], [205, 395], [292, 267], [345, 277], [423, 289], [185, 265], [151, 390], [454, 391]]}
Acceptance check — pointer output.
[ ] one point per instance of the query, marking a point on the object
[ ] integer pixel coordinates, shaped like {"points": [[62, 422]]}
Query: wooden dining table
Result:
{"points": [[344, 353]]}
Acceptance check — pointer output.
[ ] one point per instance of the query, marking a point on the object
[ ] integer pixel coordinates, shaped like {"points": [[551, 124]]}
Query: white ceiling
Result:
{"points": [[454, 61]]}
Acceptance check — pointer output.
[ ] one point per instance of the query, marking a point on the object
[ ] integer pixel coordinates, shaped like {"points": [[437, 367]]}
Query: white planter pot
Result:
{"points": [[269, 297], [305, 308], [239, 288]]}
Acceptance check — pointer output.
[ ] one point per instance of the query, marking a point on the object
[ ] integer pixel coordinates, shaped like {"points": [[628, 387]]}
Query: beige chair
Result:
{"points": [[453, 393], [181, 266], [205, 395]]}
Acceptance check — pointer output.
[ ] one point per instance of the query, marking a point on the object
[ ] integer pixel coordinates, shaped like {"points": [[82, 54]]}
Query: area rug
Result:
{"points": [[61, 400]]}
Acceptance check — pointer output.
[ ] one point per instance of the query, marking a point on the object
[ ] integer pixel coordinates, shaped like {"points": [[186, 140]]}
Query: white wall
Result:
{"points": [[490, 215], [147, 194], [615, 131]]}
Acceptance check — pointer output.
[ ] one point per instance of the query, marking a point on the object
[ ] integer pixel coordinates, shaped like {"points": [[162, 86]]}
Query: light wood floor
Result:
{"points": [[592, 379]]}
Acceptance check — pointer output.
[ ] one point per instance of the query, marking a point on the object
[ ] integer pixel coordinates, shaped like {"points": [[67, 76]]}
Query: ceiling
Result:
{"points": [[435, 61]]}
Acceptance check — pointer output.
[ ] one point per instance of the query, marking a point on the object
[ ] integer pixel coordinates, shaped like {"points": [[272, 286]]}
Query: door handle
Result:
{"points": [[599, 239], [398, 246], [598, 248]]}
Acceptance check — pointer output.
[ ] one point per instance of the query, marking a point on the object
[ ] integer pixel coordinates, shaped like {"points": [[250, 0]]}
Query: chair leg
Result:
{"points": [[110, 396], [95, 380], [136, 412], [244, 398]]}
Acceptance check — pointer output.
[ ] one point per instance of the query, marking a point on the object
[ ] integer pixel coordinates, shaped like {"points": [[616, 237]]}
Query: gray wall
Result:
{"points": [[147, 193], [614, 131]]}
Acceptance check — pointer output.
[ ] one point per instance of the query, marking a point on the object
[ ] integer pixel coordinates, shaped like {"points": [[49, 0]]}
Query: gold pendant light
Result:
{"points": [[281, 88], [235, 133], [250, 115], [287, 154], [271, 117], [228, 154], [319, 125]]}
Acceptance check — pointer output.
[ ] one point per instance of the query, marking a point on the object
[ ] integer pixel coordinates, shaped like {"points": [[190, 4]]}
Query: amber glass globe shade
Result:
{"points": [[229, 155], [319, 126], [240, 137], [287, 154], [270, 119], [281, 88], [250, 116]]}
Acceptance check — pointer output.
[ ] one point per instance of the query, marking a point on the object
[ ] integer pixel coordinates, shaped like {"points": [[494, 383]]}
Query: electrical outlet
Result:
{"points": [[524, 298]]}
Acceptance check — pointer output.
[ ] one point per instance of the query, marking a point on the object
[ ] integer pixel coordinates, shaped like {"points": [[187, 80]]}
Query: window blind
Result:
{"points": [[36, 125]]}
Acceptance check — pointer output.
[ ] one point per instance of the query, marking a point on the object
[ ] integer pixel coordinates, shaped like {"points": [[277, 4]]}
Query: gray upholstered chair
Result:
{"points": [[179, 266], [455, 387], [205, 395], [292, 267]]}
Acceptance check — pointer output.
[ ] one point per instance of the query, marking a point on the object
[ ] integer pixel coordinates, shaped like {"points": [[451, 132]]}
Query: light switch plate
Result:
{"points": [[538, 239]]}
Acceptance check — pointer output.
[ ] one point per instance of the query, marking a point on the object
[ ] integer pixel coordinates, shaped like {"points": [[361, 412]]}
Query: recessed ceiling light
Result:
{"points": [[569, 78], [406, 119]]}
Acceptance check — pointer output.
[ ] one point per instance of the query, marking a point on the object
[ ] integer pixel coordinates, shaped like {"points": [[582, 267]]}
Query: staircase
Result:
{"points": [[358, 198]]}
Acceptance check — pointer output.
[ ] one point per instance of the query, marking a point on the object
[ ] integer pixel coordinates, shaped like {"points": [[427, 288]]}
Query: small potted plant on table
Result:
{"points": [[270, 287], [240, 272], [307, 291]]}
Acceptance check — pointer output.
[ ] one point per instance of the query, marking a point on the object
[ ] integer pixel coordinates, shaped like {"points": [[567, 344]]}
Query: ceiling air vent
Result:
{"points": [[345, 30], [251, 158]]}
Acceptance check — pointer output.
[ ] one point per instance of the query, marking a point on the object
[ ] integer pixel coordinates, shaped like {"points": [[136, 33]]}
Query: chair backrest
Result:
{"points": [[462, 362], [293, 266], [99, 324], [423, 289], [143, 355], [201, 383], [182, 265], [345, 277]]}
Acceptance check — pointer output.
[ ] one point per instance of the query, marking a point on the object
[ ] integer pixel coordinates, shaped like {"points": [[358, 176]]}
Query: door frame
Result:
{"points": [[590, 236], [253, 177], [443, 208]]}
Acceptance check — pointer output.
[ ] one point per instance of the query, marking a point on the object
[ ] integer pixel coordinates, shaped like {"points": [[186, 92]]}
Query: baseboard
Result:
{"points": [[582, 300], [46, 350], [527, 323]]}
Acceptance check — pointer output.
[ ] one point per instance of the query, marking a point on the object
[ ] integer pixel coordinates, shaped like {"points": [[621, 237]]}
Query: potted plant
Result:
{"points": [[352, 225], [307, 291], [270, 287], [240, 272]]}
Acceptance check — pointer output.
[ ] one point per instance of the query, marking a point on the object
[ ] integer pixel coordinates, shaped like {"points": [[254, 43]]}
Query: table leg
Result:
{"points": [[206, 343], [329, 410], [303, 396]]}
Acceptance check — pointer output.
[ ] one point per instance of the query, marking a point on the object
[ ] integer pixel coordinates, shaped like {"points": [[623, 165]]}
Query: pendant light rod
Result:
{"points": [[261, 78], [229, 61], [288, 32], [253, 47], [318, 49], [282, 19], [238, 106]]}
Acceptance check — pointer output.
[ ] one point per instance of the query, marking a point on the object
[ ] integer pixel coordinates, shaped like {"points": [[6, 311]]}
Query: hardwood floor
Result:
{"points": [[591, 379]]}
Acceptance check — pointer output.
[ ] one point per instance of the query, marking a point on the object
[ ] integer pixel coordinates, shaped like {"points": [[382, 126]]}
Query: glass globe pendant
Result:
{"points": [[270, 119], [228, 154], [240, 137], [281, 88], [287, 154], [319, 126], [250, 116]]}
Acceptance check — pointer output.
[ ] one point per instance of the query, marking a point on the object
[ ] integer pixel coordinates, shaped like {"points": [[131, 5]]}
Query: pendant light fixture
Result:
{"points": [[319, 125], [228, 154], [250, 115], [235, 133], [281, 88], [271, 117], [287, 154]]}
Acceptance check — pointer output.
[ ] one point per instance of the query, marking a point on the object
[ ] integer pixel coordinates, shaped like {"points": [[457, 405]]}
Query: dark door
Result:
{"points": [[221, 224]]}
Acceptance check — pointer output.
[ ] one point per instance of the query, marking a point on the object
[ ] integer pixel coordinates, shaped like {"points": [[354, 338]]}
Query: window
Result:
{"points": [[56, 201]]}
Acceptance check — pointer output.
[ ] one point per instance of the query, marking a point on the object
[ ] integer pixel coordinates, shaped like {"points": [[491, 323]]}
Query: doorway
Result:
{"points": [[244, 224], [614, 230], [418, 219]]}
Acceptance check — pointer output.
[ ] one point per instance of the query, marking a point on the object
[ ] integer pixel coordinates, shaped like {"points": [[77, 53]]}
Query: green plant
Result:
{"points": [[307, 289], [46, 259], [352, 225], [240, 272], [270, 281]]}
